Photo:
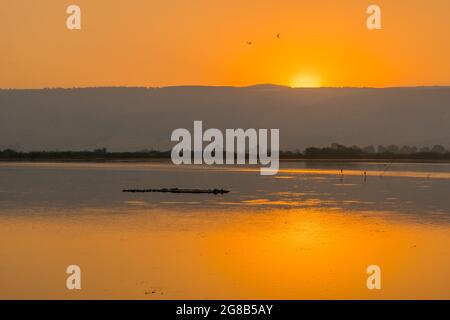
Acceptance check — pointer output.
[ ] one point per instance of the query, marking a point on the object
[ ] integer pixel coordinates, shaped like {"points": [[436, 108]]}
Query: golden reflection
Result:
{"points": [[282, 173], [354, 172], [273, 254]]}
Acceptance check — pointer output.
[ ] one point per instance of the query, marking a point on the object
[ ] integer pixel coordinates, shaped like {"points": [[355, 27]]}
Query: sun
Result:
{"points": [[306, 81]]}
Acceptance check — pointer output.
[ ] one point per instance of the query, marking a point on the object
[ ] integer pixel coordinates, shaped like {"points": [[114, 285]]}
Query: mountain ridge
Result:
{"points": [[136, 118]]}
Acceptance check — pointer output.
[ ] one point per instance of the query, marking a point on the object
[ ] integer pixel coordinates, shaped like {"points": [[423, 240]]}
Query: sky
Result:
{"points": [[164, 43]]}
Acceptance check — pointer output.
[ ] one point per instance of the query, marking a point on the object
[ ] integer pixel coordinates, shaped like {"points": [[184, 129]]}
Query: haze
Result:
{"points": [[130, 119]]}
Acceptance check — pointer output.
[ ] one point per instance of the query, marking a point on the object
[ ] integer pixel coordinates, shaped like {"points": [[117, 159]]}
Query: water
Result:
{"points": [[417, 190], [308, 232]]}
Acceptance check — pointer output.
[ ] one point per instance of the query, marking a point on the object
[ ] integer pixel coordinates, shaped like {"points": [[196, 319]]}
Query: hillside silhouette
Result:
{"points": [[131, 119]]}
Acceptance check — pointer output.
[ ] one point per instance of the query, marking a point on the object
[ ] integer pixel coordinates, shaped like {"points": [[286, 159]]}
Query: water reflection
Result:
{"points": [[269, 254], [419, 191], [307, 233]]}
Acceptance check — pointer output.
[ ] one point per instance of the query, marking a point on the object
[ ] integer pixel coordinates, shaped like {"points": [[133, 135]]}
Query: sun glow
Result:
{"points": [[306, 81]]}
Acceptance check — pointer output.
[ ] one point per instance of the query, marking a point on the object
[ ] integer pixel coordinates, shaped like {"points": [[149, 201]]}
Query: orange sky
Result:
{"points": [[179, 42]]}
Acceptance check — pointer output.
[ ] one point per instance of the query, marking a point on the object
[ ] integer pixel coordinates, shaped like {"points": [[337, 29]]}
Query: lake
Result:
{"points": [[309, 232]]}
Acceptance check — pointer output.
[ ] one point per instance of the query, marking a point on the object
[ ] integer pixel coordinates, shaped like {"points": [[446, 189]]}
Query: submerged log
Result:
{"points": [[176, 190]]}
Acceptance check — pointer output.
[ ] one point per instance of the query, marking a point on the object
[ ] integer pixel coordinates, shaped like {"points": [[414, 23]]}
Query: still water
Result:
{"points": [[308, 232]]}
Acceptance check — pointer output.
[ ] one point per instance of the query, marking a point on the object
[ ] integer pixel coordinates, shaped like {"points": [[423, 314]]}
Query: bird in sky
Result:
{"points": [[278, 35], [249, 43]]}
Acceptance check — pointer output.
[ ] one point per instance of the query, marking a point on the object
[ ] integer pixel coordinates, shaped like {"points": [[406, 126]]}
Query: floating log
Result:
{"points": [[176, 190]]}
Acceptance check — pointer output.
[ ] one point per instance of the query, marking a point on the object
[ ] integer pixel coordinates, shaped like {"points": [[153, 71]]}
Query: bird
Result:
{"points": [[278, 35], [249, 43]]}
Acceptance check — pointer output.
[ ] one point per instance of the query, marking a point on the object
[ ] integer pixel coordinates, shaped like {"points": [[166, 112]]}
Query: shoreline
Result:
{"points": [[145, 160]]}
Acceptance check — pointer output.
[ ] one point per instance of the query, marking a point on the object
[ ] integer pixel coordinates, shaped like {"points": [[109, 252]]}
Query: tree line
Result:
{"points": [[334, 151]]}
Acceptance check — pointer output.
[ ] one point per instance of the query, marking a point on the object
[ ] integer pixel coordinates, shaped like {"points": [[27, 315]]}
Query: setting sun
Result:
{"points": [[306, 81]]}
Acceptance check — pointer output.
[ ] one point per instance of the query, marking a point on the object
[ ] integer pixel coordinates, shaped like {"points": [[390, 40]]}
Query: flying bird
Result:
{"points": [[249, 43], [278, 35]]}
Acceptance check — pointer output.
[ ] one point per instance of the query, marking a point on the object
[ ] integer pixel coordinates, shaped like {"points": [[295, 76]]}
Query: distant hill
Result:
{"points": [[129, 119]]}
